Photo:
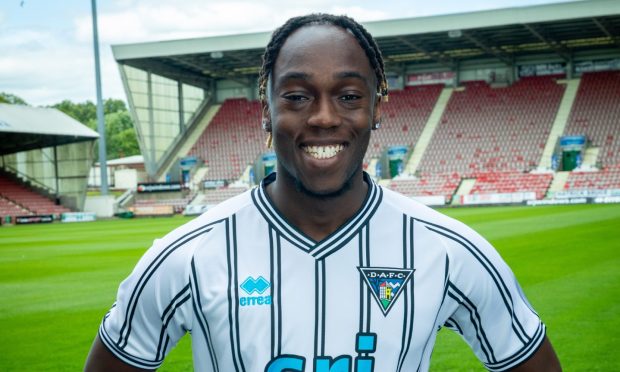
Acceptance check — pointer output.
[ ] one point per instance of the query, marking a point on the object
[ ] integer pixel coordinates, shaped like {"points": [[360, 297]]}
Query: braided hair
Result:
{"points": [[364, 38]]}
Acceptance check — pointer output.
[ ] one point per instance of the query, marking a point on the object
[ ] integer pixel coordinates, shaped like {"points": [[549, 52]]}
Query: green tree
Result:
{"points": [[11, 99], [83, 112], [120, 135], [111, 106]]}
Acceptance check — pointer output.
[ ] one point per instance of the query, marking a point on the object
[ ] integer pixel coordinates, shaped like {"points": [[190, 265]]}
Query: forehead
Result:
{"points": [[324, 49]]}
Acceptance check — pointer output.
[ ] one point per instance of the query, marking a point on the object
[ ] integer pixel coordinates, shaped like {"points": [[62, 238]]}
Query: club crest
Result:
{"points": [[385, 284]]}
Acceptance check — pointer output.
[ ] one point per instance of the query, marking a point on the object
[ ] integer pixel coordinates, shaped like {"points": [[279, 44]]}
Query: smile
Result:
{"points": [[323, 152]]}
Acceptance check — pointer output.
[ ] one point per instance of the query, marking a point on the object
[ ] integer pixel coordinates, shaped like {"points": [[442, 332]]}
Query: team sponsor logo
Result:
{"points": [[366, 344], [386, 284], [253, 286]]}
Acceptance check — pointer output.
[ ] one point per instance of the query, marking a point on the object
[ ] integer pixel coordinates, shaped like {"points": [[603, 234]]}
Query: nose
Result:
{"points": [[324, 113]]}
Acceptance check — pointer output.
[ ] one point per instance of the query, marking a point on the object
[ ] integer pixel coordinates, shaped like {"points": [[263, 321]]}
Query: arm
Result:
{"points": [[543, 360], [101, 359]]}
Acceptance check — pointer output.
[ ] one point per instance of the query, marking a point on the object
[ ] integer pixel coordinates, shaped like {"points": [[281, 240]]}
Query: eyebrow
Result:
{"points": [[351, 74], [296, 75]]}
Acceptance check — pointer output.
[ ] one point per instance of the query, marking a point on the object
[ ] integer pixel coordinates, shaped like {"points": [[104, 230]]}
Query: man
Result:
{"points": [[319, 268]]}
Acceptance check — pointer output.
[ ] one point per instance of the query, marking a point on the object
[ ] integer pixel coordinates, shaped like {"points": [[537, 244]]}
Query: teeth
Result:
{"points": [[323, 152]]}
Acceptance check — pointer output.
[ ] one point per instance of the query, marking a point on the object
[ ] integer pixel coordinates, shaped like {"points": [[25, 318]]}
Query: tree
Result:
{"points": [[120, 135], [111, 106], [83, 112], [119, 130], [11, 99]]}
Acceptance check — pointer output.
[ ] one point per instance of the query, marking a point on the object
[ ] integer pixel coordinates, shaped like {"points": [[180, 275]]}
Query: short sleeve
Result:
{"points": [[153, 306], [488, 307]]}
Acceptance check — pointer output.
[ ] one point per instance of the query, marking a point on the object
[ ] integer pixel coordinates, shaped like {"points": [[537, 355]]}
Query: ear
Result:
{"points": [[376, 117], [265, 116]]}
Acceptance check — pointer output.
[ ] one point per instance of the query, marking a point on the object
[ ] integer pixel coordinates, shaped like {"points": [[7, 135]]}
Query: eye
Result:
{"points": [[295, 97], [350, 97]]}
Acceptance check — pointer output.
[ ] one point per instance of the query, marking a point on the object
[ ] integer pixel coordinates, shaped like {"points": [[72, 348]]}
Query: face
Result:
{"points": [[322, 106]]}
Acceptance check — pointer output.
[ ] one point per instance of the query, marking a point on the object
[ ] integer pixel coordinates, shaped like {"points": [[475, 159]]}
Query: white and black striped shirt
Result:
{"points": [[257, 294]]}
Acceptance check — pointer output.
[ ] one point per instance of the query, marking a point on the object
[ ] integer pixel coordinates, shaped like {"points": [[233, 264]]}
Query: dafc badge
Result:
{"points": [[385, 284]]}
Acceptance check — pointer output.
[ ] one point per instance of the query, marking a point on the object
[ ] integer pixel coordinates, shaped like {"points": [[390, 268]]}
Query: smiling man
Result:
{"points": [[320, 269]]}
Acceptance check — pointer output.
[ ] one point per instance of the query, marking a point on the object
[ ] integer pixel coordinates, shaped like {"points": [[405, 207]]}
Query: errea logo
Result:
{"points": [[258, 286]]}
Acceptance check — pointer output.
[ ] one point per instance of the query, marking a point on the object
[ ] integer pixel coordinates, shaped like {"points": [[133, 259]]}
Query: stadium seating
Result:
{"points": [[596, 114], [511, 182], [217, 196], [488, 129], [494, 135], [29, 201], [606, 179], [444, 184], [232, 141], [404, 117], [8, 208]]}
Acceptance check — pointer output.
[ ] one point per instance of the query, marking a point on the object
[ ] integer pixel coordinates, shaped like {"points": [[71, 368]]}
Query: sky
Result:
{"points": [[46, 46]]}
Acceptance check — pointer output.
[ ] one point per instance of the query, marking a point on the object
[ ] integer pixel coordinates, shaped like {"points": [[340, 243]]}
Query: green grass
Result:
{"points": [[57, 281]]}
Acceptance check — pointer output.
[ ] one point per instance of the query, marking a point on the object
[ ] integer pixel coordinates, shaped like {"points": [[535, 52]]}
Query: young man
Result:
{"points": [[320, 269]]}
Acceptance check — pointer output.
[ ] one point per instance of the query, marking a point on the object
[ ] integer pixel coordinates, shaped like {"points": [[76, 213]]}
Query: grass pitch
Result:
{"points": [[57, 281]]}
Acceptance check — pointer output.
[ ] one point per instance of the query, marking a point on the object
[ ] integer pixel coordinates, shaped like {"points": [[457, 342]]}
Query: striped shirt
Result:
{"points": [[257, 294]]}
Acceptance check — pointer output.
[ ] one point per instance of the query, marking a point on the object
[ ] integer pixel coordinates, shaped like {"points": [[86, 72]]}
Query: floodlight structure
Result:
{"points": [[100, 121]]}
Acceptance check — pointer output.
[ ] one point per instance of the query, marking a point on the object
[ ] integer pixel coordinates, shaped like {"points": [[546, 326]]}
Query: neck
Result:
{"points": [[317, 215]]}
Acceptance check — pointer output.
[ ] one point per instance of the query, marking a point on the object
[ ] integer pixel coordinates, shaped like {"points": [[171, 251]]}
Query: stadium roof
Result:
{"points": [[25, 128], [503, 34], [128, 160]]}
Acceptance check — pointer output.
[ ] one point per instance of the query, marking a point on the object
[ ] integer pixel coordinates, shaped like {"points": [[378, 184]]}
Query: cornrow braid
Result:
{"points": [[364, 38]]}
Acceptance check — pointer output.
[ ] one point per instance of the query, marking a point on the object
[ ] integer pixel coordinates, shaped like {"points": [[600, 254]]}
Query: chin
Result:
{"points": [[324, 192]]}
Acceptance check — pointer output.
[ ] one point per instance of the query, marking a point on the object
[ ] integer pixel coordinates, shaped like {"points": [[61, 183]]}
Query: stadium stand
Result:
{"points": [[492, 135], [232, 141], [25, 199], [8, 208], [404, 117], [494, 129], [495, 135], [596, 114], [428, 185], [511, 182], [467, 136], [606, 179], [216, 196]]}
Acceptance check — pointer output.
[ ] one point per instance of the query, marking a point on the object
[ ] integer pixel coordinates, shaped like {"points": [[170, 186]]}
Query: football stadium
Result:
{"points": [[507, 120]]}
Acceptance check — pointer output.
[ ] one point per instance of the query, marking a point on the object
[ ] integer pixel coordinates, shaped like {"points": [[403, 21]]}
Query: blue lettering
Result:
{"points": [[286, 363], [365, 343], [253, 301], [364, 364]]}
